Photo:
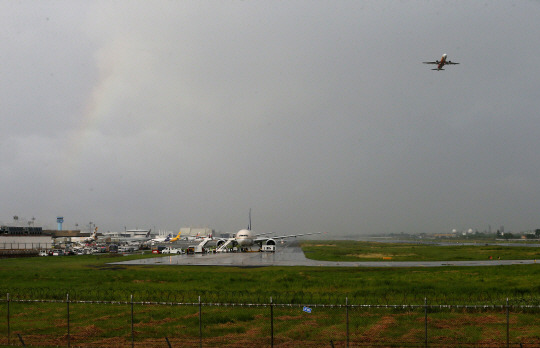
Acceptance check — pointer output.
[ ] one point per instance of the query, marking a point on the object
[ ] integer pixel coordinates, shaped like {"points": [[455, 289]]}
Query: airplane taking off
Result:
{"points": [[246, 238], [441, 63]]}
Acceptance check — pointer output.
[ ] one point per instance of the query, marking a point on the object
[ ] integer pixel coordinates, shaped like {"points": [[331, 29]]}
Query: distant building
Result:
{"points": [[20, 231], [16, 237], [136, 233], [66, 233], [196, 232], [66, 236]]}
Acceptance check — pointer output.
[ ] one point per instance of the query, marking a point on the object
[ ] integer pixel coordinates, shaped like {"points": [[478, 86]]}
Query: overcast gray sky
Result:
{"points": [[318, 115]]}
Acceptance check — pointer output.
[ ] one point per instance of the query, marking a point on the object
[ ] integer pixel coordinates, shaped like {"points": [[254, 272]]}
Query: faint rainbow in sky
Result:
{"points": [[98, 105]]}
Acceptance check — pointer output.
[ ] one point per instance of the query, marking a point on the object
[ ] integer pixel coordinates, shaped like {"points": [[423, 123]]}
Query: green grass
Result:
{"points": [[373, 251], [110, 325], [91, 277]]}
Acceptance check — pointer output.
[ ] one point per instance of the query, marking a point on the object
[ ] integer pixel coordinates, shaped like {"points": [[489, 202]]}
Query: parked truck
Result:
{"points": [[169, 250]]}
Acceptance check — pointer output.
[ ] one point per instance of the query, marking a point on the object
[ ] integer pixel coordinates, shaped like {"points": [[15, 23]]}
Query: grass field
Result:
{"points": [[93, 278], [373, 251]]}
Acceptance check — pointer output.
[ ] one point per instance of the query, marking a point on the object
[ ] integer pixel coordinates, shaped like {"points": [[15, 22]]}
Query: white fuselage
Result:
{"points": [[442, 62], [244, 238]]}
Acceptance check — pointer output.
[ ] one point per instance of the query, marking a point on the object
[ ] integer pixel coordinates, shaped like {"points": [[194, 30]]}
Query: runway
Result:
{"points": [[290, 254]]}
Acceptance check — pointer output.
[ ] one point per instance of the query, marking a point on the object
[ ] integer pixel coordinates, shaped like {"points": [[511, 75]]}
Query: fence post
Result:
{"points": [[68, 333], [8, 326], [132, 331], [425, 322], [507, 324], [200, 322], [21, 340], [347, 318], [271, 322]]}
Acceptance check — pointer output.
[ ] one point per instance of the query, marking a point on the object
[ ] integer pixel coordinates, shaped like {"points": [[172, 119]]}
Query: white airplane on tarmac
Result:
{"points": [[246, 238], [93, 237], [86, 240], [162, 239]]}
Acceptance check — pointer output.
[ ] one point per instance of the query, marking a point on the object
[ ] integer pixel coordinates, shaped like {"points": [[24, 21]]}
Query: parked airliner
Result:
{"points": [[246, 238], [192, 238], [441, 63], [162, 239], [176, 238]]}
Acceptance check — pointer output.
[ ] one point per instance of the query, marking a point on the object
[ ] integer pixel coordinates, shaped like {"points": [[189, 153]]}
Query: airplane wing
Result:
{"points": [[435, 62], [450, 62], [264, 239]]}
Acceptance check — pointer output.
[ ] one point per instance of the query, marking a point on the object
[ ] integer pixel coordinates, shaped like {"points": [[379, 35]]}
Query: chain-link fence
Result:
{"points": [[72, 322]]}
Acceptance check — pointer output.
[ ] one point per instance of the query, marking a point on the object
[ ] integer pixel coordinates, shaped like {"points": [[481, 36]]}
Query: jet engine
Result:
{"points": [[220, 242], [270, 242]]}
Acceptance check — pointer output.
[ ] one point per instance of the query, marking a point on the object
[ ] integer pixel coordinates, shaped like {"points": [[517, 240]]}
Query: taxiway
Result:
{"points": [[290, 254]]}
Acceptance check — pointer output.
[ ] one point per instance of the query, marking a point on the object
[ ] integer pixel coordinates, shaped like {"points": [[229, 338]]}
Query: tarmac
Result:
{"points": [[290, 254]]}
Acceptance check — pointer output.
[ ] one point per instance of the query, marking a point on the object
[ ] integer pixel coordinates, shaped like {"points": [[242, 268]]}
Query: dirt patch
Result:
{"points": [[154, 322], [465, 320], [376, 329], [289, 317], [90, 330], [368, 256], [107, 267], [413, 335], [377, 255]]}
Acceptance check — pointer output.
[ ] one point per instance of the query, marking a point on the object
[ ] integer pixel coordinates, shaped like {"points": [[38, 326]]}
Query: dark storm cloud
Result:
{"points": [[319, 116]]}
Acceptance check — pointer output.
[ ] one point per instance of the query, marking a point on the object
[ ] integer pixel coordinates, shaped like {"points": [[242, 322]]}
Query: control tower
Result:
{"points": [[60, 220]]}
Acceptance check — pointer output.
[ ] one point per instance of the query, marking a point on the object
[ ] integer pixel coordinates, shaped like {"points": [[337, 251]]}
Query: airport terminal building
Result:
{"points": [[17, 237]]}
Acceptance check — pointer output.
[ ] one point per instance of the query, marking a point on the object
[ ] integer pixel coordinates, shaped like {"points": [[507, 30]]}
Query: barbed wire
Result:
{"points": [[394, 307], [287, 297]]}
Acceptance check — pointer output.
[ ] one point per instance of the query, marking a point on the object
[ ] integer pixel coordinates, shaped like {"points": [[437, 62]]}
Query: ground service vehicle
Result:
{"points": [[268, 248], [171, 251]]}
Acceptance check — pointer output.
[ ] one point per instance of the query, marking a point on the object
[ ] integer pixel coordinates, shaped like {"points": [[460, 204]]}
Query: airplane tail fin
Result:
{"points": [[177, 237], [249, 224]]}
